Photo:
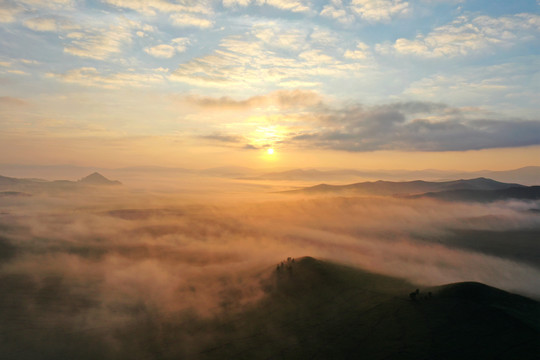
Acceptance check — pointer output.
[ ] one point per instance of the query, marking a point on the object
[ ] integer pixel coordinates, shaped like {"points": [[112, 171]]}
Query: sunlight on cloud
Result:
{"points": [[150, 7], [269, 54], [161, 51], [281, 100], [90, 76], [336, 10], [287, 5], [360, 53], [465, 36], [187, 20], [228, 3], [50, 24], [101, 43], [290, 5], [379, 10], [168, 51], [266, 136]]}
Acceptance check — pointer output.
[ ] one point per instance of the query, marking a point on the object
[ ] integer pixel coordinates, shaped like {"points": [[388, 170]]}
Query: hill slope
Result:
{"points": [[406, 187], [319, 310], [519, 193], [310, 310], [98, 179]]}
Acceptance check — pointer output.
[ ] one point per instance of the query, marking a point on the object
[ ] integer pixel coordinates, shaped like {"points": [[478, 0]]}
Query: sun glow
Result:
{"points": [[270, 154]]}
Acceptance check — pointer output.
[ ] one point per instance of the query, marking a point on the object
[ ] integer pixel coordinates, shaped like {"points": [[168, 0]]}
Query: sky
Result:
{"points": [[397, 84]]}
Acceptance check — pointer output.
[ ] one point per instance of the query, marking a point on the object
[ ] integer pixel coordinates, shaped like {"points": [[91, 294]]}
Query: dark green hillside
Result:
{"points": [[319, 310]]}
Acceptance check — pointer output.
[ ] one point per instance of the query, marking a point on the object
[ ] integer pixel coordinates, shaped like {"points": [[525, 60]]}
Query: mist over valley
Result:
{"points": [[100, 270]]}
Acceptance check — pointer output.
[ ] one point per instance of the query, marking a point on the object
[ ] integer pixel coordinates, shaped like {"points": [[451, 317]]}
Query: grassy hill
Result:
{"points": [[320, 310], [311, 310]]}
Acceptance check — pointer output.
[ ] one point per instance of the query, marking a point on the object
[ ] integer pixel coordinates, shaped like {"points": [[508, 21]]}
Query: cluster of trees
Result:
{"points": [[285, 265], [416, 294]]}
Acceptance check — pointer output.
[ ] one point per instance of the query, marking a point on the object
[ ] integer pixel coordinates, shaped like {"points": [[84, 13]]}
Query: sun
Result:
{"points": [[270, 151]]}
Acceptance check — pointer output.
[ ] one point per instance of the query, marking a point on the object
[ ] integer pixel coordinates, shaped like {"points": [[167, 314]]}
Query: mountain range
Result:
{"points": [[17, 187], [527, 175], [471, 190], [381, 187]]}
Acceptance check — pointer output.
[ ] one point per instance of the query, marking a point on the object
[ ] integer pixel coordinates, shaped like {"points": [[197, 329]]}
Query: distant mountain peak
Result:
{"points": [[98, 179]]}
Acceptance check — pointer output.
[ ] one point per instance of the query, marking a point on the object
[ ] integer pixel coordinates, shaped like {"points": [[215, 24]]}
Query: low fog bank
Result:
{"points": [[90, 273], [298, 177]]}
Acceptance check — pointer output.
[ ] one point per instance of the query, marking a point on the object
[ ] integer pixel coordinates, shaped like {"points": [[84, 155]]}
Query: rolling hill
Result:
{"points": [[98, 179], [478, 195], [310, 309], [527, 175], [321, 310], [406, 187]]}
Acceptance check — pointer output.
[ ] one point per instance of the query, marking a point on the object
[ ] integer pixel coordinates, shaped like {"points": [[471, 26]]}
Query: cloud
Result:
{"points": [[295, 84], [161, 51], [90, 76], [181, 13], [379, 10], [166, 51], [444, 1], [289, 5], [12, 101], [504, 87], [398, 127], [283, 99], [230, 140], [17, 66], [51, 4], [367, 10], [230, 3], [190, 20], [268, 54], [286, 5], [317, 56], [51, 24], [223, 138], [101, 43], [337, 11], [9, 11], [360, 53], [151, 7], [302, 119], [17, 72], [274, 36], [465, 36]]}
